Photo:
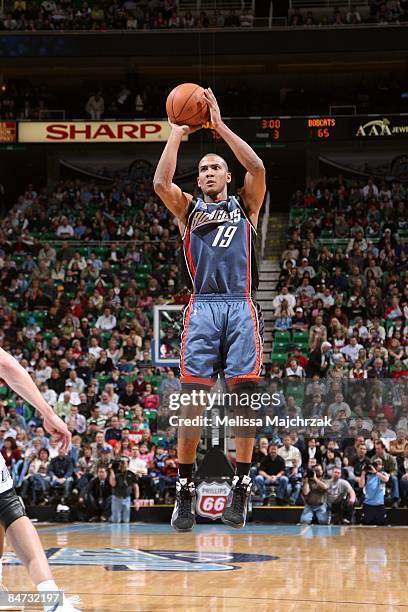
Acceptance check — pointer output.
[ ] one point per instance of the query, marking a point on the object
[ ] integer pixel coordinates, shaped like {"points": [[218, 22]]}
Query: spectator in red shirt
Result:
{"points": [[149, 400], [169, 472], [10, 451], [297, 354]]}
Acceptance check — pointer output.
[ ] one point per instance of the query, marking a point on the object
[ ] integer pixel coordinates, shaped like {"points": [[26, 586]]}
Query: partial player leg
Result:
{"points": [[237, 505], [199, 356], [24, 539], [188, 438], [243, 346]]}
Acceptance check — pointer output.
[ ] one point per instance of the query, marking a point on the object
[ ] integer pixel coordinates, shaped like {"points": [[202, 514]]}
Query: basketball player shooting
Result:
{"points": [[20, 532], [222, 329]]}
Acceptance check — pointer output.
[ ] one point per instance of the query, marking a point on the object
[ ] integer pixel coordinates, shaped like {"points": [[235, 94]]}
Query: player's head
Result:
{"points": [[213, 174]]}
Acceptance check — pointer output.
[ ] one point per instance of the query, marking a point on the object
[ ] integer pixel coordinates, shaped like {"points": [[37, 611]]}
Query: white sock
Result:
{"points": [[47, 585]]}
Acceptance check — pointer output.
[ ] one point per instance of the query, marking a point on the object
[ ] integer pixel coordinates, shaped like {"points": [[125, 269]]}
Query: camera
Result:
{"points": [[310, 473], [369, 468]]}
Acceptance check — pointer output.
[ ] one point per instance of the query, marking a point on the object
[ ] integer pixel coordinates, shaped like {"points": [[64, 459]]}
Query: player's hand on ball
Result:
{"points": [[56, 427], [215, 112], [184, 130]]}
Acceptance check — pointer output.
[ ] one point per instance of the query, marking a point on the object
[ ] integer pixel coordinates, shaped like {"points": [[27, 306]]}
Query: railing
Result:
{"points": [[265, 221], [214, 5], [52, 115], [319, 4]]}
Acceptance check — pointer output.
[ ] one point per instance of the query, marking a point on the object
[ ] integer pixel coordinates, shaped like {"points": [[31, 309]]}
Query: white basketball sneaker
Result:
{"points": [[68, 605]]}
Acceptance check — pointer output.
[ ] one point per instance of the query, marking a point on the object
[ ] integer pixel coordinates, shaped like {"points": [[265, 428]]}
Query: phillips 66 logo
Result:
{"points": [[212, 499]]}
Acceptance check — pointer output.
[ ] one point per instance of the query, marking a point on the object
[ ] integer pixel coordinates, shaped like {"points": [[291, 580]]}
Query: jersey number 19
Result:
{"points": [[226, 232]]}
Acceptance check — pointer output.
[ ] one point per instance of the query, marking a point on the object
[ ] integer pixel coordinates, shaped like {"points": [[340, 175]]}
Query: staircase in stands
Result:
{"points": [[269, 270]]}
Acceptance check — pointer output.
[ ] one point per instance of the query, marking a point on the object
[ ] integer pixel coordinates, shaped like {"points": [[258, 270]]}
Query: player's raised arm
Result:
{"points": [[254, 186], [173, 197], [21, 382]]}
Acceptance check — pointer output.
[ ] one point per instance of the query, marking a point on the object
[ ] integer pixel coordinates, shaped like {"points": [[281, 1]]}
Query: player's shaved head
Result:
{"points": [[211, 158]]}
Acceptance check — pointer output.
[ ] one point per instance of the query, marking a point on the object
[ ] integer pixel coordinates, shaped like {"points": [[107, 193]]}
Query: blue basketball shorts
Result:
{"points": [[221, 334]]}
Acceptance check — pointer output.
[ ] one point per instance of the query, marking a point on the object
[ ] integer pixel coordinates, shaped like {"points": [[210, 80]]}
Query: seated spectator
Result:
{"points": [[402, 463], [311, 452], [76, 422], [351, 350], [85, 470], [103, 364], [272, 473], [128, 399], [169, 471], [283, 321], [37, 480], [357, 372], [319, 359], [106, 406], [148, 399], [114, 432], [284, 296], [61, 471], [295, 372], [98, 497], [107, 321]]}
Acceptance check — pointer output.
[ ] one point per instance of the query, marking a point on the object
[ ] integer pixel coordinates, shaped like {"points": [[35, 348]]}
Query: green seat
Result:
{"points": [[156, 381], [326, 233], [19, 259], [280, 358], [280, 347], [146, 268], [300, 336], [105, 336], [102, 379], [24, 316], [282, 336]]}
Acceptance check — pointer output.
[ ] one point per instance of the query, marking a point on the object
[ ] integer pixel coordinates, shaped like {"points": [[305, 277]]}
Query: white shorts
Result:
{"points": [[6, 482]]}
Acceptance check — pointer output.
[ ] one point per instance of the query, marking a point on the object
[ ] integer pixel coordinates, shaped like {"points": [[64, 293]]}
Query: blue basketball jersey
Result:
{"points": [[219, 248]]}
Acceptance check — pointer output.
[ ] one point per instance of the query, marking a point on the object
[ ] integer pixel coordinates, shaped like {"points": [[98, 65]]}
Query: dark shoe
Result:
{"points": [[395, 503], [183, 517], [236, 511]]}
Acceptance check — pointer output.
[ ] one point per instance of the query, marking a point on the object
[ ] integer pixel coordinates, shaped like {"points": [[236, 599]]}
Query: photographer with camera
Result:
{"points": [[314, 491], [373, 481], [123, 482], [340, 498]]}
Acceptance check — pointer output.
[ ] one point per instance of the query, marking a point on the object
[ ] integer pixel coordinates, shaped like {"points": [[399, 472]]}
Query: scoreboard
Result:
{"points": [[265, 131], [274, 130]]}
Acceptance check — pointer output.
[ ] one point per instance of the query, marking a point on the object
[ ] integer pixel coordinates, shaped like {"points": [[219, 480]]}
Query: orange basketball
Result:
{"points": [[186, 105]]}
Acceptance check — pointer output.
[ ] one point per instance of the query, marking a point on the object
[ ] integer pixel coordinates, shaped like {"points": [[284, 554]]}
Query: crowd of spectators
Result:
{"points": [[125, 15], [130, 15], [341, 344], [79, 319], [381, 12]]}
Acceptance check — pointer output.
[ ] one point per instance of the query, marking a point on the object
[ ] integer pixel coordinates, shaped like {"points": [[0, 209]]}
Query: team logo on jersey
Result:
{"points": [[212, 499], [217, 216], [136, 560]]}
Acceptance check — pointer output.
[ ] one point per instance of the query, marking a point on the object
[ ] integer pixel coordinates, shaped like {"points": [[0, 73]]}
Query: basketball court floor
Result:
{"points": [[149, 567]]}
